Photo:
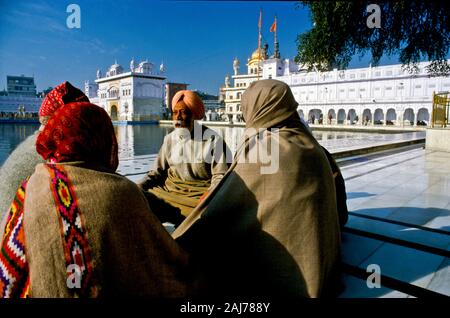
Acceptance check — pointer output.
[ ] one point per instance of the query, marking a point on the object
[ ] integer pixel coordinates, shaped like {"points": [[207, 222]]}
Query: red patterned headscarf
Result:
{"points": [[79, 132], [61, 95]]}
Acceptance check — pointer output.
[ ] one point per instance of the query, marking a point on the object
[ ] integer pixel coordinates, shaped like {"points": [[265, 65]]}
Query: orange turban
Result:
{"points": [[192, 101]]}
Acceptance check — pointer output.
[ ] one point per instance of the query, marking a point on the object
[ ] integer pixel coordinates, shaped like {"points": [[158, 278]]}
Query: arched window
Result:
{"points": [[113, 92]]}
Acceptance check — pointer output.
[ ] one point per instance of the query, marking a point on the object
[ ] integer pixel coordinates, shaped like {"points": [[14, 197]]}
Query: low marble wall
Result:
{"points": [[438, 139]]}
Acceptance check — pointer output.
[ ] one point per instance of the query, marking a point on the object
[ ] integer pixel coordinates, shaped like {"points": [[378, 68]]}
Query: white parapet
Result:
{"points": [[438, 139]]}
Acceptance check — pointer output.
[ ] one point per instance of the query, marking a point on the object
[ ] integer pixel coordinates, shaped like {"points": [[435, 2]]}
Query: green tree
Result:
{"points": [[413, 29]]}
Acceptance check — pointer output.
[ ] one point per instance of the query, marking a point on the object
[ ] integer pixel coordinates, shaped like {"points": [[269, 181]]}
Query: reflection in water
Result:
{"points": [[136, 140], [11, 135]]}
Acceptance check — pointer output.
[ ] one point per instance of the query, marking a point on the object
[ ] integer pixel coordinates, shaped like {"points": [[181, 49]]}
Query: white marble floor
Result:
{"points": [[357, 141], [400, 220]]}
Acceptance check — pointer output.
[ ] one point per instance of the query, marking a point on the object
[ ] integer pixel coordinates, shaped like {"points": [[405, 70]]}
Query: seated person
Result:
{"points": [[78, 229], [268, 234], [188, 164], [22, 161]]}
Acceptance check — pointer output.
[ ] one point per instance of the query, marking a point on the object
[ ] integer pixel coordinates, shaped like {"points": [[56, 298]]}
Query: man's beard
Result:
{"points": [[177, 123], [181, 124]]}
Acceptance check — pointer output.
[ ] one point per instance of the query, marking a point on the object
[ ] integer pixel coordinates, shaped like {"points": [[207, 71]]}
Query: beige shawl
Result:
{"points": [[268, 234], [133, 255]]}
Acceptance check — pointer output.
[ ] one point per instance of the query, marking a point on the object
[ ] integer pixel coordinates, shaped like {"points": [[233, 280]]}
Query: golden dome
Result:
{"points": [[257, 54]]}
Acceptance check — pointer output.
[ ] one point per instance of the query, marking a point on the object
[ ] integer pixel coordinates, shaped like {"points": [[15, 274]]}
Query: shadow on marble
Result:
{"points": [[412, 215], [441, 280], [354, 195], [357, 288], [405, 264]]}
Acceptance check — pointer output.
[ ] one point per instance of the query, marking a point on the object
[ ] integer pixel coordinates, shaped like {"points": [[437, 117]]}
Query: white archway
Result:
{"points": [[341, 116], [378, 116], [423, 116], [367, 116], [391, 116], [351, 116], [409, 115], [314, 115], [113, 113], [331, 116]]}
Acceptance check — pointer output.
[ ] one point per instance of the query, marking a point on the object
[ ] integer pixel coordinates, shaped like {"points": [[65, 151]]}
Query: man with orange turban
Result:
{"points": [[192, 158]]}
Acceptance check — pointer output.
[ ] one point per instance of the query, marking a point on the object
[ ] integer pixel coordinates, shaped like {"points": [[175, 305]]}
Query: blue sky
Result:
{"points": [[197, 40]]}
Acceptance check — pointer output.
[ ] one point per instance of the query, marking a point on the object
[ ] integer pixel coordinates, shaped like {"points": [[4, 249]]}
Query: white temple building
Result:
{"points": [[371, 96], [232, 93], [382, 95], [133, 95]]}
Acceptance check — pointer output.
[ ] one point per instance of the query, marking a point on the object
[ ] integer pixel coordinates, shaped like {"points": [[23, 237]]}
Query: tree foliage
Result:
{"points": [[415, 30]]}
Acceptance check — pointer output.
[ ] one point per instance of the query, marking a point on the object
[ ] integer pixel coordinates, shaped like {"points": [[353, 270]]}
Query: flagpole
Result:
{"points": [[259, 29], [275, 33], [259, 40]]}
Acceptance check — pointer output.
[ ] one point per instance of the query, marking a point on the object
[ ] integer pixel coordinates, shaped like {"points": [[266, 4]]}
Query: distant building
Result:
{"points": [[20, 86], [20, 104], [214, 108], [213, 105], [20, 98], [134, 95], [44, 92]]}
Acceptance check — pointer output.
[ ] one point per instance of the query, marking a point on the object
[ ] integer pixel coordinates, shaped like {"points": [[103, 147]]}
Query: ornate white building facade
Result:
{"points": [[371, 96], [231, 93], [134, 95]]}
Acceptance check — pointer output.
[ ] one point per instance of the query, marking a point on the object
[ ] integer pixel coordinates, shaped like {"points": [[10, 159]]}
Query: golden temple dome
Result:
{"points": [[257, 54]]}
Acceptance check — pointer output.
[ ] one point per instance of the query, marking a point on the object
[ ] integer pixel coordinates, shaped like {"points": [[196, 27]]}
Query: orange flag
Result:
{"points": [[273, 28]]}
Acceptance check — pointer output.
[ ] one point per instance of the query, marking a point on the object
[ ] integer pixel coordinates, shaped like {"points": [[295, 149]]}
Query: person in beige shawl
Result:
{"points": [[191, 161], [78, 229], [268, 234]]}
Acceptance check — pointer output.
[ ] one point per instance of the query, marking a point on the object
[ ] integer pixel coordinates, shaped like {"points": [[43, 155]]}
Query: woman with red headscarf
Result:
{"points": [[78, 229], [21, 162], [192, 158]]}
